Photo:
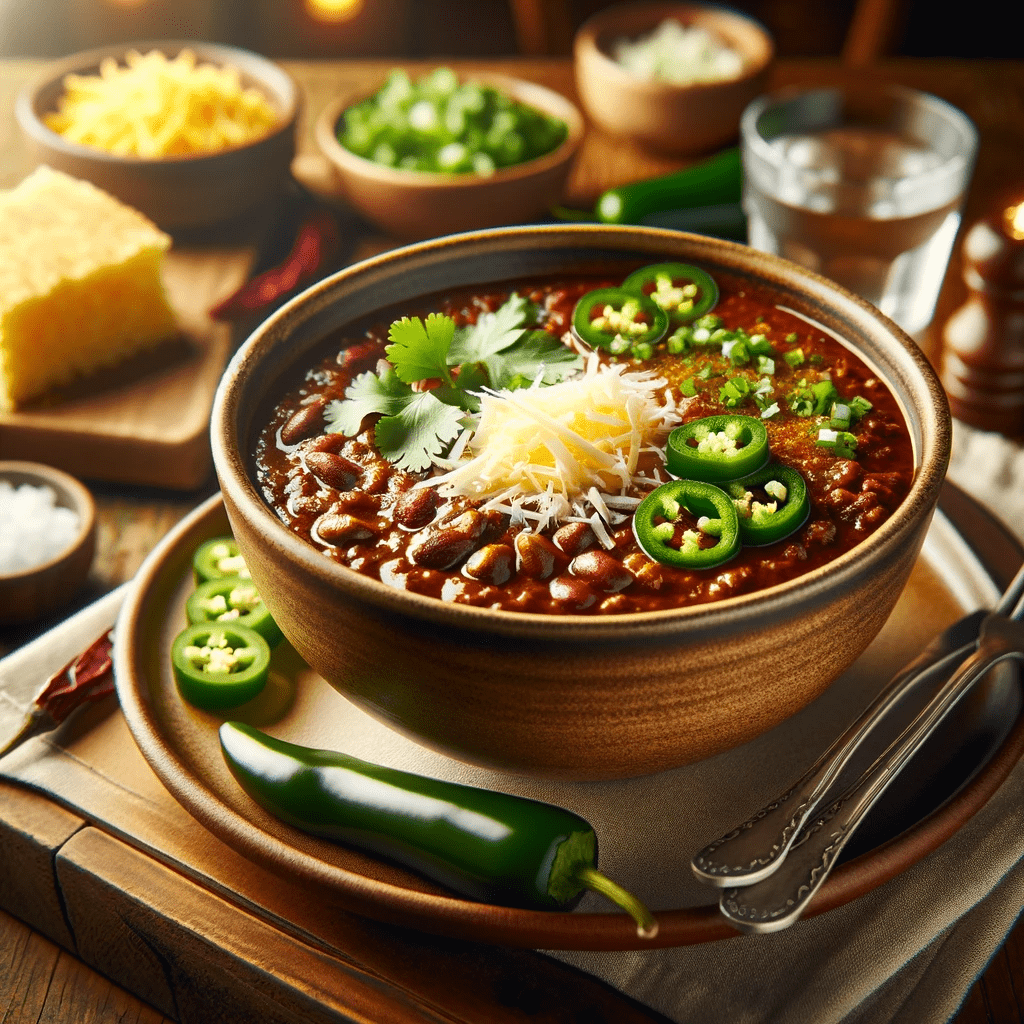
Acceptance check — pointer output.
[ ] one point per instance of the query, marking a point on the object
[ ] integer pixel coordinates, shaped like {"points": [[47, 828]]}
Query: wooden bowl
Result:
{"points": [[182, 192], [572, 696], [30, 594], [659, 116], [420, 204]]}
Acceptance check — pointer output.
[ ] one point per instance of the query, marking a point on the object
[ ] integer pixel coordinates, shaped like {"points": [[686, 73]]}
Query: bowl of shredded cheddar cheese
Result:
{"points": [[191, 134]]}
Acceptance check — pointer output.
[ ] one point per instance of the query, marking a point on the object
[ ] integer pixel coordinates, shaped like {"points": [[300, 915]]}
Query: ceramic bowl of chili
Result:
{"points": [[672, 117], [573, 695], [187, 193], [416, 204]]}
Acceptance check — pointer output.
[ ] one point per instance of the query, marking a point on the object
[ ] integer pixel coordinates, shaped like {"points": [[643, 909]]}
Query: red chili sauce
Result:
{"points": [[339, 494]]}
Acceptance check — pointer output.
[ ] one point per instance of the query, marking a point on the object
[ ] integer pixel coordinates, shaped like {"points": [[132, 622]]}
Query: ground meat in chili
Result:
{"points": [[341, 495]]}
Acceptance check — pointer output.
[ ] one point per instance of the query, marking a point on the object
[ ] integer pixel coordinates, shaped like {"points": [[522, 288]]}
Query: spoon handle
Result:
{"points": [[753, 850], [779, 899]]}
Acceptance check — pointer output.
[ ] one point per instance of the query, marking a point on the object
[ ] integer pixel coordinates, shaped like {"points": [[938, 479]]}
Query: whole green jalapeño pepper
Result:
{"points": [[620, 322], [217, 558], [232, 599], [219, 666], [772, 503], [717, 448], [483, 844], [658, 530], [685, 292]]}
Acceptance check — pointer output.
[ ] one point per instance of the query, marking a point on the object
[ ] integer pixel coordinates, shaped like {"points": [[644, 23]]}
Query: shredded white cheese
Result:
{"points": [[561, 448]]}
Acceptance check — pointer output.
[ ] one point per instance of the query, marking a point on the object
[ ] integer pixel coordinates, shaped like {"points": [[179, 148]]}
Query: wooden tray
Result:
{"points": [[950, 782], [146, 422]]}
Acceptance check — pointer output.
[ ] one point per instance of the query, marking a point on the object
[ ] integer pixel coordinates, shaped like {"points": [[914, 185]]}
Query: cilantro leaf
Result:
{"points": [[367, 394], [537, 351], [418, 349], [417, 435], [492, 332]]}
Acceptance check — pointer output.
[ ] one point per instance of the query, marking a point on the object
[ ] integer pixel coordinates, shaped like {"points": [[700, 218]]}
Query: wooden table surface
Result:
{"points": [[39, 981]]}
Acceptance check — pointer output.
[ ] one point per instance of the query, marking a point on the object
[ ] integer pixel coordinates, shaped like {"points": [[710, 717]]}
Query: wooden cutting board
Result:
{"points": [[146, 422]]}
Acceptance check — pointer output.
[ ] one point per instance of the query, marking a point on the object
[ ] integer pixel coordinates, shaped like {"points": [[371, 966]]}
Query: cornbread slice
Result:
{"points": [[80, 284]]}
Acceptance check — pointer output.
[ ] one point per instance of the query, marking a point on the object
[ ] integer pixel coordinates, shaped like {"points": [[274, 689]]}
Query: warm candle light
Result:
{"points": [[1014, 217], [333, 10]]}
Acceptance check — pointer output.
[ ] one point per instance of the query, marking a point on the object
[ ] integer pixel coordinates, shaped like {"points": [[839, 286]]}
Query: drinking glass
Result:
{"points": [[863, 184]]}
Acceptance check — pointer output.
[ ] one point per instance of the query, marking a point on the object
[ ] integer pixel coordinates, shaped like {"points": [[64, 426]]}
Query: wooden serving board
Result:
{"points": [[145, 422]]}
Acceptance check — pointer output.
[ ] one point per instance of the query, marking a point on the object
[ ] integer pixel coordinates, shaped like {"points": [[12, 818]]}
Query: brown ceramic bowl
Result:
{"points": [[420, 204], [176, 193], [31, 593], [572, 696], [659, 116]]}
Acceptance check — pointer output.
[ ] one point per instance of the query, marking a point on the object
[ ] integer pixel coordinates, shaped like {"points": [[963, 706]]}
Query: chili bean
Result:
{"points": [[341, 528], [441, 548], [601, 571], [492, 564], [574, 538], [376, 476], [334, 470], [355, 501], [572, 592], [324, 443], [416, 507], [356, 356], [536, 556], [306, 420]]}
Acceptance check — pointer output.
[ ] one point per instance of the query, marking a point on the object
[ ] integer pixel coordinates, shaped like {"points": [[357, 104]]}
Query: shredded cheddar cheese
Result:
{"points": [[546, 453], [153, 107]]}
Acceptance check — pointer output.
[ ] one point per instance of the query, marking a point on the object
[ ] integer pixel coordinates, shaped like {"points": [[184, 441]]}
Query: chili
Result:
{"points": [[483, 844], [315, 245], [217, 559], [624, 322], [717, 448], [219, 666], [658, 530], [772, 503], [232, 599], [685, 292]]}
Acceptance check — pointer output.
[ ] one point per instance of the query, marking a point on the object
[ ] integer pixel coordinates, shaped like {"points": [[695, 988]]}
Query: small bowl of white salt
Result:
{"points": [[672, 77], [47, 540]]}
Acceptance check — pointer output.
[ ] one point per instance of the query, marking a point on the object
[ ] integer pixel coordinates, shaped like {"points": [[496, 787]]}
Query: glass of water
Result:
{"points": [[864, 185]]}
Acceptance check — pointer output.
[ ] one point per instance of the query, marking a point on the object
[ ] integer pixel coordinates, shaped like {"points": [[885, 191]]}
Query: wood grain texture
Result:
{"points": [[200, 958], [41, 984], [32, 830]]}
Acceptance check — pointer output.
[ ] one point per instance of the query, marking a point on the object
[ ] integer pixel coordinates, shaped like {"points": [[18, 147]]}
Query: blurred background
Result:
{"points": [[481, 28]]}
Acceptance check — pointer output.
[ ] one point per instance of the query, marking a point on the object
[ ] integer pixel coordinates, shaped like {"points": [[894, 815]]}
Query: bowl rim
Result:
{"points": [[554, 103], [786, 600], [587, 44], [273, 80], [61, 483]]}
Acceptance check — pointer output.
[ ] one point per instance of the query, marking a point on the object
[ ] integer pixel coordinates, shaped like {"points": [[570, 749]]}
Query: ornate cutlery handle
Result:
{"points": [[779, 899], [756, 848]]}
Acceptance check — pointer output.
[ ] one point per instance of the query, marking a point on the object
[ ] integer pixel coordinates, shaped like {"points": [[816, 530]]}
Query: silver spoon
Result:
{"points": [[777, 901], [756, 848]]}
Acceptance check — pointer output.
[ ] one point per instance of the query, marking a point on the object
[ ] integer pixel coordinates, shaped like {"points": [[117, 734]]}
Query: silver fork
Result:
{"points": [[755, 849], [777, 901]]}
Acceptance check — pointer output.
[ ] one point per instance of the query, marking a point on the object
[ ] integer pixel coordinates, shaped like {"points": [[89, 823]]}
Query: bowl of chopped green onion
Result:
{"points": [[439, 154]]}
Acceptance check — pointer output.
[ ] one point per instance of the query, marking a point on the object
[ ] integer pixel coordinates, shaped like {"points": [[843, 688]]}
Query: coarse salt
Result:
{"points": [[33, 528]]}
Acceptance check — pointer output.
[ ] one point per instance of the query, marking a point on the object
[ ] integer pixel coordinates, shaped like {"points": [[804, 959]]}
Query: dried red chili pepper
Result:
{"points": [[315, 246], [87, 677]]}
